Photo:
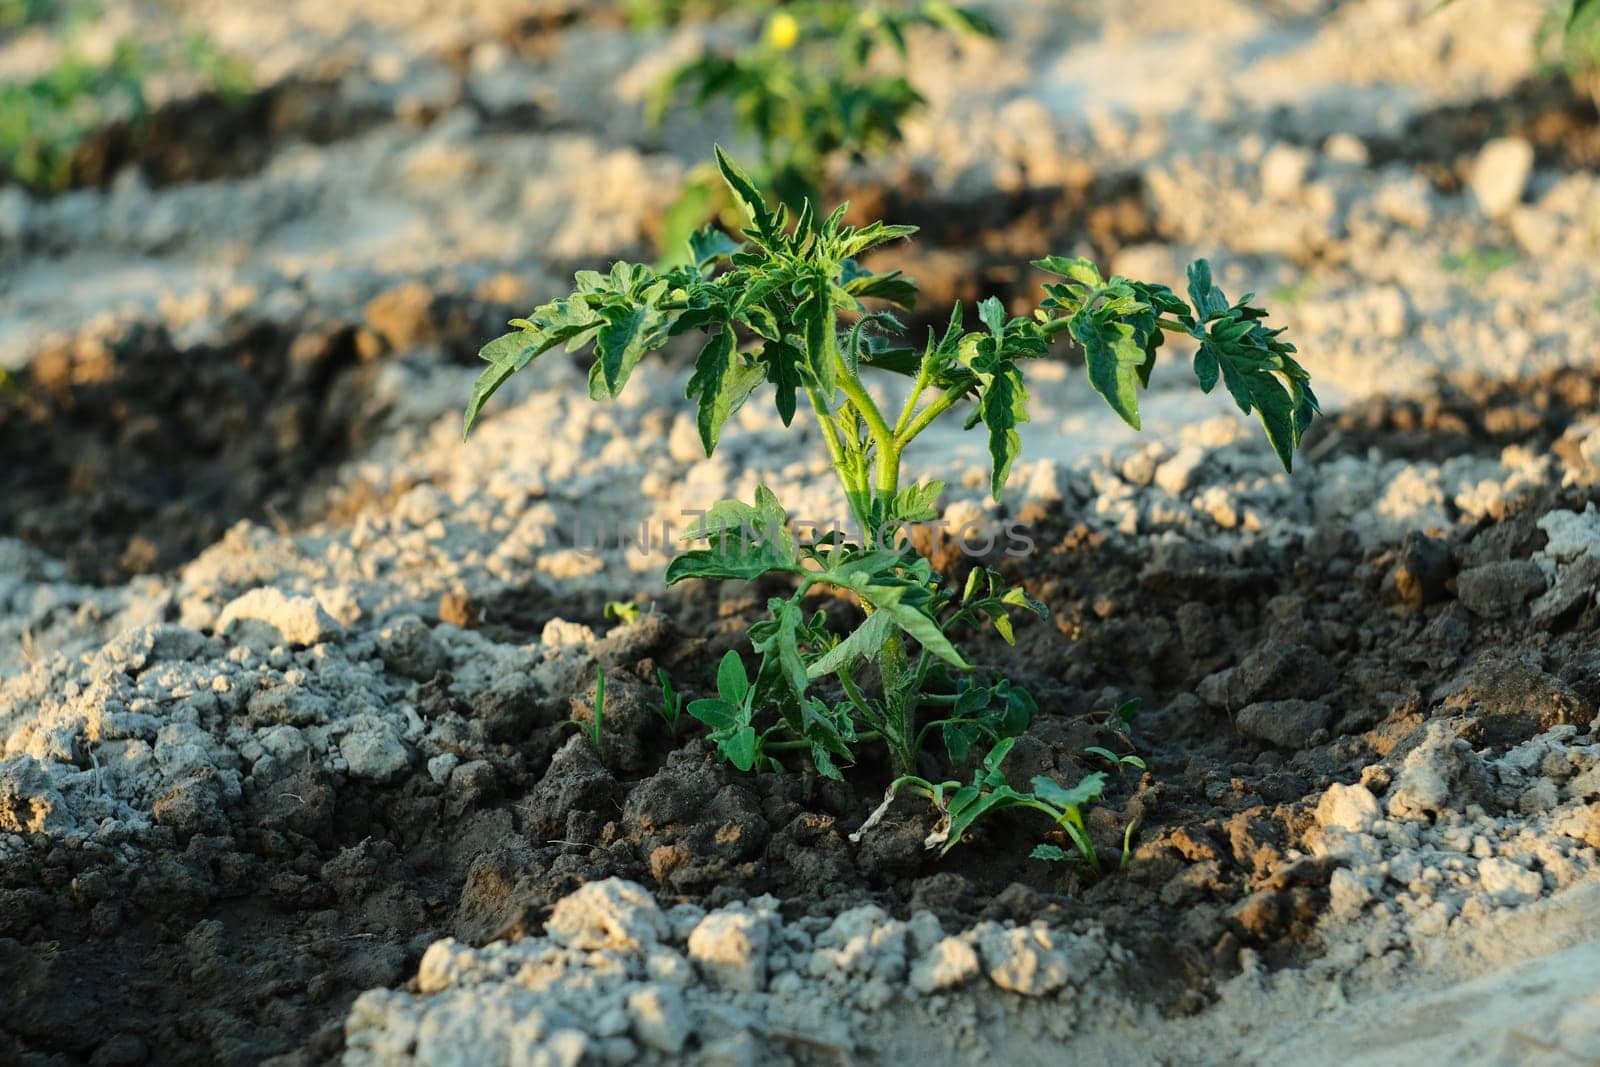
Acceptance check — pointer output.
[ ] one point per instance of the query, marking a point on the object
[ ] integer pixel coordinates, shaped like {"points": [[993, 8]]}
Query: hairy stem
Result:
{"points": [[940, 405]]}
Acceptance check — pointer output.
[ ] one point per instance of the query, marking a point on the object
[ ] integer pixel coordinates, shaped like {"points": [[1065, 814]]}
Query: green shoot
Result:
{"points": [[1117, 762], [961, 806], [1479, 263], [671, 702], [623, 611]]}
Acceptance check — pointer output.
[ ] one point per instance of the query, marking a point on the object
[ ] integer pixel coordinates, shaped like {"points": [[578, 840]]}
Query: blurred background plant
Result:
{"points": [[1575, 25], [1580, 44], [814, 81], [46, 117]]}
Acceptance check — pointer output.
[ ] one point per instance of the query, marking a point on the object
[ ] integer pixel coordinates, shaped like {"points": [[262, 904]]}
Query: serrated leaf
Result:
{"points": [[754, 204], [871, 236], [1002, 406], [709, 244], [893, 287], [913, 619], [506, 355], [916, 503], [1053, 853], [721, 383], [1082, 271], [783, 645], [816, 316], [862, 643], [565, 321], [1114, 354], [782, 362], [744, 541], [992, 314], [822, 760], [1207, 298]]}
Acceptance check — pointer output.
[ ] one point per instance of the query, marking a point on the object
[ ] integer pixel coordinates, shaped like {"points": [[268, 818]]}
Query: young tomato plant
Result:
{"points": [[791, 307], [824, 79]]}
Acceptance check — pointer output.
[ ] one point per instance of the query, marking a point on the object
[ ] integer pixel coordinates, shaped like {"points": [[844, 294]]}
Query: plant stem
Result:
{"points": [[796, 746], [939, 406]]}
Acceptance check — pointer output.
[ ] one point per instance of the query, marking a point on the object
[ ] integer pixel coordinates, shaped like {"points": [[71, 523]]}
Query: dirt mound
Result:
{"points": [[298, 803]]}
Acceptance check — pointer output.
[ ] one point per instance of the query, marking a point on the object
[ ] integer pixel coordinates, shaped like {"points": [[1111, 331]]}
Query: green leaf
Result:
{"points": [[721, 383], [717, 714], [1207, 368], [784, 644], [1087, 791], [1115, 354], [709, 244], [1082, 271], [743, 542], [997, 799], [755, 204], [1053, 853], [782, 362], [671, 702], [1585, 14], [1207, 298], [816, 315], [1003, 406], [559, 322], [913, 618], [732, 681], [619, 346], [871, 236], [742, 562], [992, 314], [997, 755], [506, 355], [1257, 368], [862, 643], [916, 503], [741, 748], [893, 287]]}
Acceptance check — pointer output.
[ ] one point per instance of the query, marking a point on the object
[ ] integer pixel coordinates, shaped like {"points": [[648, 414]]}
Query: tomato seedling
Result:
{"points": [[791, 308]]}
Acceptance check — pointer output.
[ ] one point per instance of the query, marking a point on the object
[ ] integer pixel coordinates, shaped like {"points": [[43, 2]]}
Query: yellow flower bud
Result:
{"points": [[783, 31]]}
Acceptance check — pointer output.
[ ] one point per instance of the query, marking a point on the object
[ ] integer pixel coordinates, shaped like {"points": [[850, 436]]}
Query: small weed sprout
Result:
{"points": [[790, 307], [623, 611], [671, 703], [597, 725], [594, 728]]}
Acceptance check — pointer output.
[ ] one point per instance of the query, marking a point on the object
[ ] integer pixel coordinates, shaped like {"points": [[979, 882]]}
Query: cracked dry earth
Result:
{"points": [[286, 670]]}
